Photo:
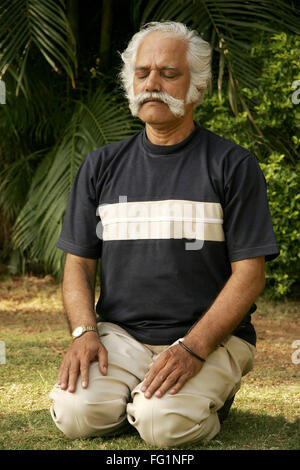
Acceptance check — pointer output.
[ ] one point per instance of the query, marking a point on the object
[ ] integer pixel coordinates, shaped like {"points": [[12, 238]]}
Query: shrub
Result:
{"points": [[284, 198], [271, 133]]}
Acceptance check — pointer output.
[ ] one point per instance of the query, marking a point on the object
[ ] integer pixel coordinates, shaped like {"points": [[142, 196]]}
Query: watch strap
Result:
{"points": [[84, 329]]}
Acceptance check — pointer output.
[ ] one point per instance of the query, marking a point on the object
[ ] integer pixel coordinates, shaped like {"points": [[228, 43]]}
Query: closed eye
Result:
{"points": [[141, 77], [166, 72], [168, 75], [163, 75]]}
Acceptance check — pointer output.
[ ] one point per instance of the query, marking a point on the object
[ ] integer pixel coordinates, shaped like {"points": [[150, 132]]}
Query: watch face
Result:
{"points": [[78, 331]]}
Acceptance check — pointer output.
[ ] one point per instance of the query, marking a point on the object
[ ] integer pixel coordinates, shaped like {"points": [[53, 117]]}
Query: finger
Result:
{"points": [[154, 382], [159, 389], [155, 372], [152, 375], [103, 360], [73, 375], [84, 371], [63, 376], [178, 385], [60, 373]]}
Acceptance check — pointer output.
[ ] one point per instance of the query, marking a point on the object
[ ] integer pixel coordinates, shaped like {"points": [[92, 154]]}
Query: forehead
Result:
{"points": [[159, 49]]}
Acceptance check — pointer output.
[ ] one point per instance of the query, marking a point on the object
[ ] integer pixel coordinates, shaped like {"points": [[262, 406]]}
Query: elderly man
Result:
{"points": [[180, 220]]}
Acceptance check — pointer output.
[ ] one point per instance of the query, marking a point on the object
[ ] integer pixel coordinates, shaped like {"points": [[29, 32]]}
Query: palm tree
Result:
{"points": [[63, 99]]}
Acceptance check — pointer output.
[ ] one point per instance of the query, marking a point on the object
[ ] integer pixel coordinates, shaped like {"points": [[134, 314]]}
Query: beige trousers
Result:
{"points": [[111, 401]]}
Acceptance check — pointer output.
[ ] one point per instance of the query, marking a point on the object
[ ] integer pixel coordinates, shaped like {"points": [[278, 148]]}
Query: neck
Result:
{"points": [[170, 133]]}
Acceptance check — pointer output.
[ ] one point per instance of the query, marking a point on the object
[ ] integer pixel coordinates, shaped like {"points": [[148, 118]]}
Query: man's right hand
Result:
{"points": [[84, 350]]}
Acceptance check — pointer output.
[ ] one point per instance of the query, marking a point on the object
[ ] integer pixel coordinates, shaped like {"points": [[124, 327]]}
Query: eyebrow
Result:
{"points": [[169, 67]]}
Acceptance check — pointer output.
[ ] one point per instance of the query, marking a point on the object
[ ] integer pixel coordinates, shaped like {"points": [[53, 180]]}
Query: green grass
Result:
{"points": [[265, 413]]}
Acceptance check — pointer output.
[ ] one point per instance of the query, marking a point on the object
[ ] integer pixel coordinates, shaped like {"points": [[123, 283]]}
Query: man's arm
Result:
{"points": [[78, 296], [175, 365]]}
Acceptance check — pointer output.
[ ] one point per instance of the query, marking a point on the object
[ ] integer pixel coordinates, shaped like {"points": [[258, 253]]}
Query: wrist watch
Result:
{"points": [[83, 329]]}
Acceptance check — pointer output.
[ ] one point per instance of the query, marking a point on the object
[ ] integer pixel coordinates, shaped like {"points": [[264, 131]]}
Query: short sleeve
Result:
{"points": [[247, 221], [79, 231]]}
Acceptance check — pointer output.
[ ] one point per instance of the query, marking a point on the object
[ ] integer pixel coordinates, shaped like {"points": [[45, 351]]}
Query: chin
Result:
{"points": [[157, 117]]}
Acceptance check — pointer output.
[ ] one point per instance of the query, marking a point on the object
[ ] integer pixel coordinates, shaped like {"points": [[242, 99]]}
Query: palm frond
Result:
{"points": [[14, 183], [41, 24], [98, 122]]}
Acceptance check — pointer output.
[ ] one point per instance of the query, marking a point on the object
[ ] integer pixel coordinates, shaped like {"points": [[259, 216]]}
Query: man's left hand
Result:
{"points": [[170, 372]]}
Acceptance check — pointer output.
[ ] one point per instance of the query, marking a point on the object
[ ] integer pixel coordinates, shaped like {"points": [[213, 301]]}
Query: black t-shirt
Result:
{"points": [[167, 221]]}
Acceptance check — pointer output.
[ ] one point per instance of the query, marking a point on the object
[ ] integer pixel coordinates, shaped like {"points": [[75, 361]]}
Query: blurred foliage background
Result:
{"points": [[59, 60]]}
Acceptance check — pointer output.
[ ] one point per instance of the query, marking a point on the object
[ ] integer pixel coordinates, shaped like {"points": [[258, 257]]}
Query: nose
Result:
{"points": [[153, 81]]}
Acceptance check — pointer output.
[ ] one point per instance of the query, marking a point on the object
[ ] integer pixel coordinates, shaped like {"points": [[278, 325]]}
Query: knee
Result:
{"points": [[77, 417], [68, 413], [160, 424]]}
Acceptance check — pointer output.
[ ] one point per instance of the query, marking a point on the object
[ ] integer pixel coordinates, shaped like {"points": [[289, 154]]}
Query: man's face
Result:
{"points": [[161, 66]]}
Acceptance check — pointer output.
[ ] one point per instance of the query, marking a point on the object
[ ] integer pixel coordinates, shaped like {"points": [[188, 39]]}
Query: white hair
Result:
{"points": [[198, 56], [177, 106]]}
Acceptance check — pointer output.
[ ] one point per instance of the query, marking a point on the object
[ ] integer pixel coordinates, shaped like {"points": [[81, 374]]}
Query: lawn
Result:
{"points": [[264, 416]]}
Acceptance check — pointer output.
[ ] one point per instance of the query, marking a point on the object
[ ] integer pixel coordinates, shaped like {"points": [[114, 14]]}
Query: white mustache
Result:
{"points": [[176, 105]]}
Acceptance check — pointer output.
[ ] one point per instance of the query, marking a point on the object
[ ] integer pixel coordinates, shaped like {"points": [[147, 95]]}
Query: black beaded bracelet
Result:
{"points": [[191, 352]]}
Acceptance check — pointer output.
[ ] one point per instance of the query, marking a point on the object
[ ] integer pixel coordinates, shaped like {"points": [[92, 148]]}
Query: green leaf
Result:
{"points": [[95, 123], [40, 23]]}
